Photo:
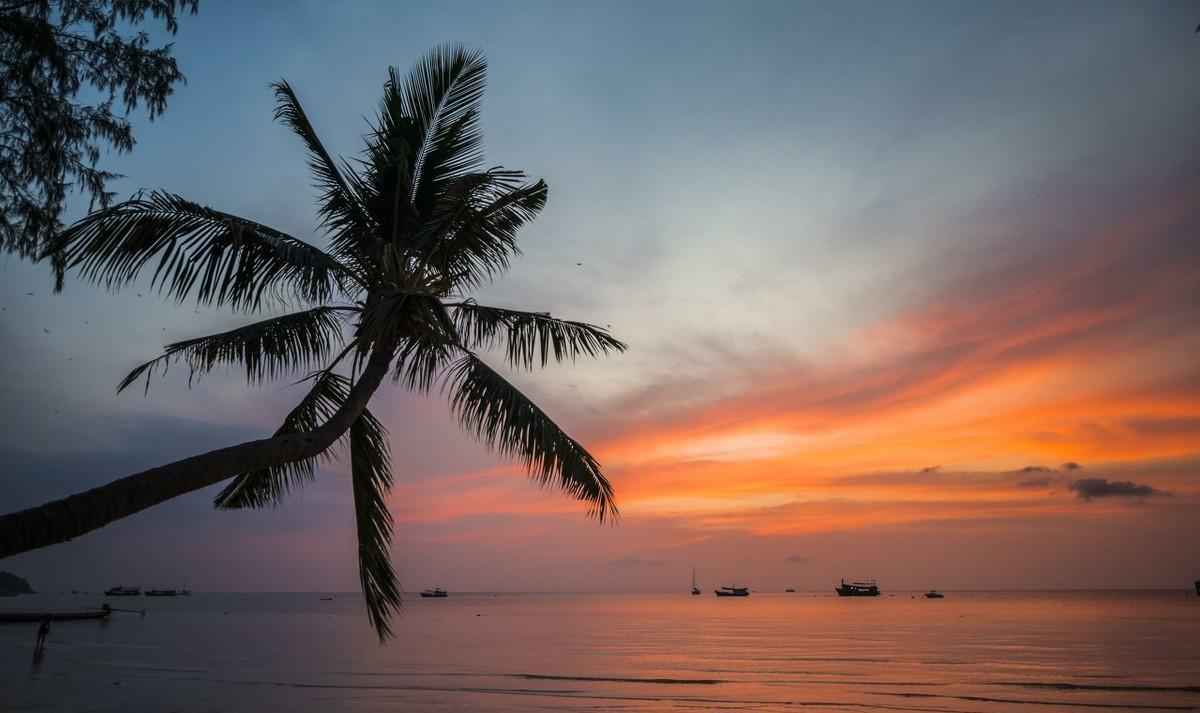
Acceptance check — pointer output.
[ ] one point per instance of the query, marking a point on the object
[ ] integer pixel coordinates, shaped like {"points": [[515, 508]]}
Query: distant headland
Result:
{"points": [[12, 584]]}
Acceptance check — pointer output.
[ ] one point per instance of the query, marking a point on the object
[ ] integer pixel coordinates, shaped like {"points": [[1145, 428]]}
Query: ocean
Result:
{"points": [[811, 651]]}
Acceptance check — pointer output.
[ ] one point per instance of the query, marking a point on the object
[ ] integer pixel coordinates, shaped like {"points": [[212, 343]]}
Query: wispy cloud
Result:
{"points": [[633, 562]]}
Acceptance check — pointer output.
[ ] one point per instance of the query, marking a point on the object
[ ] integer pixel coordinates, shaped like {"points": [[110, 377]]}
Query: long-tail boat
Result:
{"points": [[12, 616], [858, 589]]}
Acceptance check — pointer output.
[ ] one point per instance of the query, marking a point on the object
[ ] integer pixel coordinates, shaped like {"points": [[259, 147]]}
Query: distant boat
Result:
{"points": [[185, 592], [1198, 587], [438, 593], [161, 592], [789, 590], [123, 592], [934, 594], [54, 616], [732, 592], [695, 589], [858, 589]]}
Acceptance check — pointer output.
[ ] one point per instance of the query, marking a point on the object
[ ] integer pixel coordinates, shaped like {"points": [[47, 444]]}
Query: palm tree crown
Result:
{"points": [[413, 226]]}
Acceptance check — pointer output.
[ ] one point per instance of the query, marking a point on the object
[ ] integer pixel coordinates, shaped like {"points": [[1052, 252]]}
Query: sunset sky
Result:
{"points": [[912, 292]]}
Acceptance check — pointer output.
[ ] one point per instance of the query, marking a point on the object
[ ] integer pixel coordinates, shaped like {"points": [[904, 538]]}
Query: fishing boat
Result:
{"points": [[732, 592], [858, 589], [934, 594], [789, 590], [438, 593], [123, 592], [13, 617], [695, 589]]}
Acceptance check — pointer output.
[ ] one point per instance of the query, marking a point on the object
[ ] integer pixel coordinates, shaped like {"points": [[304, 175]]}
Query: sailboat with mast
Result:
{"points": [[695, 589]]}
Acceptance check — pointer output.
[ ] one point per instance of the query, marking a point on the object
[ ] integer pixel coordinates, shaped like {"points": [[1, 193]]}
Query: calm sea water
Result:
{"points": [[972, 651]]}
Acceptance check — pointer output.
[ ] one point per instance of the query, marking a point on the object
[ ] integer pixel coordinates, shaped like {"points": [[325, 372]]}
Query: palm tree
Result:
{"points": [[413, 226]]}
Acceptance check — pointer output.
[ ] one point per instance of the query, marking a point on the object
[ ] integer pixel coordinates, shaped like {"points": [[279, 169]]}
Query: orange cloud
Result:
{"points": [[1080, 354]]}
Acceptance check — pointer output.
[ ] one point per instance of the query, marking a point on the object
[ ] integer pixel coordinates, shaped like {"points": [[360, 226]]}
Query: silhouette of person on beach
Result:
{"points": [[43, 632]]}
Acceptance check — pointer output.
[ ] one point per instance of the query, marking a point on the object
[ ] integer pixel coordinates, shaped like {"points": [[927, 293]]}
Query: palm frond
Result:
{"points": [[441, 92], [480, 239], [400, 312], [340, 207], [498, 414], [531, 337], [219, 258], [268, 486], [386, 182], [419, 362], [371, 473], [267, 349]]}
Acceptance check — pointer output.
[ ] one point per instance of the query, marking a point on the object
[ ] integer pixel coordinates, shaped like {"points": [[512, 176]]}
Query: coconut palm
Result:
{"points": [[413, 226]]}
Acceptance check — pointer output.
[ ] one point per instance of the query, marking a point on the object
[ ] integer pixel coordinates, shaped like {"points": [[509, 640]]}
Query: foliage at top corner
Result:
{"points": [[71, 72]]}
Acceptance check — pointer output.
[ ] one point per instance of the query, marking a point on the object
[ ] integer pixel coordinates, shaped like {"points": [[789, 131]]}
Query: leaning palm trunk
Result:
{"points": [[79, 514], [413, 228]]}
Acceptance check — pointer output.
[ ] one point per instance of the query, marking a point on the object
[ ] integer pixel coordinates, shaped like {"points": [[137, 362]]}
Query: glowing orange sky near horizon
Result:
{"points": [[970, 388]]}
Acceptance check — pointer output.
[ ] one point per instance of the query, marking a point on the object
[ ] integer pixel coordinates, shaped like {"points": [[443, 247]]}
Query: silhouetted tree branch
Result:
{"points": [[50, 141]]}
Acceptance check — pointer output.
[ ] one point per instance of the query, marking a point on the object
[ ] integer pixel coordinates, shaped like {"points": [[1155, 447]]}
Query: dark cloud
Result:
{"points": [[1036, 469], [28, 478], [1089, 488], [798, 559], [931, 469], [1070, 465], [221, 549]]}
